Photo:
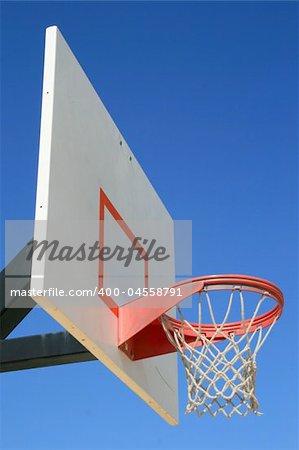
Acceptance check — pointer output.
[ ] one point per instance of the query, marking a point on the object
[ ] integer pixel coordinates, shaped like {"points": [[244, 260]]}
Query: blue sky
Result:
{"points": [[205, 94]]}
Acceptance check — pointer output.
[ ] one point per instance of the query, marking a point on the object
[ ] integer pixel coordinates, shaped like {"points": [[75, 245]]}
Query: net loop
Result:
{"points": [[221, 367]]}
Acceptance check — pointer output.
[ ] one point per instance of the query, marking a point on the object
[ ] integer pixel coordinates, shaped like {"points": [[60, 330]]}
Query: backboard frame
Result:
{"points": [[70, 105]]}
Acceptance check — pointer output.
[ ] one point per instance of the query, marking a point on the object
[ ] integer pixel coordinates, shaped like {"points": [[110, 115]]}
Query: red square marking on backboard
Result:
{"points": [[105, 203]]}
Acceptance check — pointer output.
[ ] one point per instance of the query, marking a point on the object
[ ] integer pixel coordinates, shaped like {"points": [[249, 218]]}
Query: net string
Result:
{"points": [[220, 380]]}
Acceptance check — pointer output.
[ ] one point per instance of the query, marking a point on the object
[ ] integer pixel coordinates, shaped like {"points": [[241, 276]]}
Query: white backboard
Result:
{"points": [[83, 162]]}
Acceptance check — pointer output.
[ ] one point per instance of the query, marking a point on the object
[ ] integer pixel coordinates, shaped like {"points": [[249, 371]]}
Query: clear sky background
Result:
{"points": [[206, 96]]}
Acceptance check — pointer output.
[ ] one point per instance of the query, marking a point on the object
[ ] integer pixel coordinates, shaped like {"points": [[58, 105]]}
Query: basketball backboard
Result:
{"points": [[92, 190]]}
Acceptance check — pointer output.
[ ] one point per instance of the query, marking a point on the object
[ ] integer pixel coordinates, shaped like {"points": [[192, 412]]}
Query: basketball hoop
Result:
{"points": [[220, 357]]}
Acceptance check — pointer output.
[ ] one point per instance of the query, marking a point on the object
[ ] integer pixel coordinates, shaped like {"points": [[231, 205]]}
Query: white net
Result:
{"points": [[221, 369]]}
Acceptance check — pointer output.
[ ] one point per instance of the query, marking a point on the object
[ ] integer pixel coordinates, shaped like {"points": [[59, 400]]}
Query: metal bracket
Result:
{"points": [[31, 351], [42, 350]]}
